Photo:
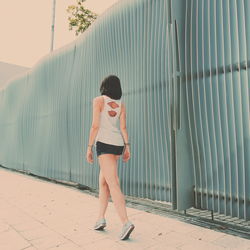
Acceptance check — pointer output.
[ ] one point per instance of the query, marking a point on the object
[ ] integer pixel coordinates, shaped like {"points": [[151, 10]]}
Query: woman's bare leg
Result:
{"points": [[104, 195], [108, 165]]}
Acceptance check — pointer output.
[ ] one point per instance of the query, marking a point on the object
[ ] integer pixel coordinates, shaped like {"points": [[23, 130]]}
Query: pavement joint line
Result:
{"points": [[156, 207], [28, 247], [41, 222], [13, 228]]}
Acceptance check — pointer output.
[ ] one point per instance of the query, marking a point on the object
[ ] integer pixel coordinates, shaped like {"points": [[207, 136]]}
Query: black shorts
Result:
{"points": [[104, 148]]}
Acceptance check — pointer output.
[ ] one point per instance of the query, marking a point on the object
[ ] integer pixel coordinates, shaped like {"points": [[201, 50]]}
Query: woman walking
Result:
{"points": [[111, 142]]}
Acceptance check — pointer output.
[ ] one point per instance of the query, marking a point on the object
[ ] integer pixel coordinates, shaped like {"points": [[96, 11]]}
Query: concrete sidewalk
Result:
{"points": [[38, 214]]}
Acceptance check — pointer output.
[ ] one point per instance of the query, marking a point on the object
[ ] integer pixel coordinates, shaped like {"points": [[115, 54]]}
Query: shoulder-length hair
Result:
{"points": [[111, 87]]}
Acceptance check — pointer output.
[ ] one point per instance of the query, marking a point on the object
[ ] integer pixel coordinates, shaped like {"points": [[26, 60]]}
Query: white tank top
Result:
{"points": [[109, 132]]}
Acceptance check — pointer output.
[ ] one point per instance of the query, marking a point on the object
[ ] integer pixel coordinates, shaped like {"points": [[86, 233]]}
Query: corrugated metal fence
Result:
{"points": [[214, 40], [183, 66]]}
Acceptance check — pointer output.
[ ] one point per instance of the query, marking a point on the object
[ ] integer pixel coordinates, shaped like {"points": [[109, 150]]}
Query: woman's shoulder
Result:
{"points": [[98, 99]]}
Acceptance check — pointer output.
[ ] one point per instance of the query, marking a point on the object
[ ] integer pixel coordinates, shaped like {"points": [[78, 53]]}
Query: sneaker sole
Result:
{"points": [[126, 235], [100, 227]]}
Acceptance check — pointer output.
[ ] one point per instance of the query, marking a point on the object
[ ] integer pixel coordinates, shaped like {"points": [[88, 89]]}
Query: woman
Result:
{"points": [[111, 142]]}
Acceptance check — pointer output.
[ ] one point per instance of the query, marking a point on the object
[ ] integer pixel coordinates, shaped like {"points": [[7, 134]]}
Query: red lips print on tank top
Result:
{"points": [[113, 105]]}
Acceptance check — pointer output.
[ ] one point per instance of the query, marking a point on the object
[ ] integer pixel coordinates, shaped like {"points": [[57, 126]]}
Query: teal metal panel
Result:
{"points": [[215, 55], [11, 146], [183, 182]]}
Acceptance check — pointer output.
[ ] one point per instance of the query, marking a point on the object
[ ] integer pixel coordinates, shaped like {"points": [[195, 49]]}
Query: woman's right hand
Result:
{"points": [[89, 156], [126, 154]]}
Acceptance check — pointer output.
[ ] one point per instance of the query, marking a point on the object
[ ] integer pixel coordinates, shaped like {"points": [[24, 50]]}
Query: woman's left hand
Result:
{"points": [[126, 154], [89, 156]]}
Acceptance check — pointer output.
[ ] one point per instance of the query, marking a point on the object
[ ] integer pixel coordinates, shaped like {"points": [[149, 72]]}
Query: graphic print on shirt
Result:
{"points": [[113, 105]]}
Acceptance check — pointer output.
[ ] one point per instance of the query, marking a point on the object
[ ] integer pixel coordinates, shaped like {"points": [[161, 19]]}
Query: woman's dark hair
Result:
{"points": [[111, 87]]}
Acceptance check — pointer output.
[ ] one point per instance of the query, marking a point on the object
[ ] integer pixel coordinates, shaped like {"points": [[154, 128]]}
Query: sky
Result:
{"points": [[25, 28]]}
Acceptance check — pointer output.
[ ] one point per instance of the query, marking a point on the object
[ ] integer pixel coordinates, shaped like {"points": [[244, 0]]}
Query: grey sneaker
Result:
{"points": [[126, 230], [100, 224]]}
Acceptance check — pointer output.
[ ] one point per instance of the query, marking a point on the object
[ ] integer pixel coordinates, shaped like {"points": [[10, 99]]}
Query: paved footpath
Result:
{"points": [[38, 214]]}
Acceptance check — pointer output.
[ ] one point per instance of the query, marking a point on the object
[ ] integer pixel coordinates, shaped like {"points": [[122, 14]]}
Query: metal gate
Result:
{"points": [[214, 40]]}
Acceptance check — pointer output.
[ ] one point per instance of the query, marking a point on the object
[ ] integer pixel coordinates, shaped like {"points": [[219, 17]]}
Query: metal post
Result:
{"points": [[53, 25], [212, 214]]}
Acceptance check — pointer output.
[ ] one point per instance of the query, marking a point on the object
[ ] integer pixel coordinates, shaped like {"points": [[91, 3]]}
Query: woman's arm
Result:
{"points": [[94, 128], [123, 127], [95, 121]]}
